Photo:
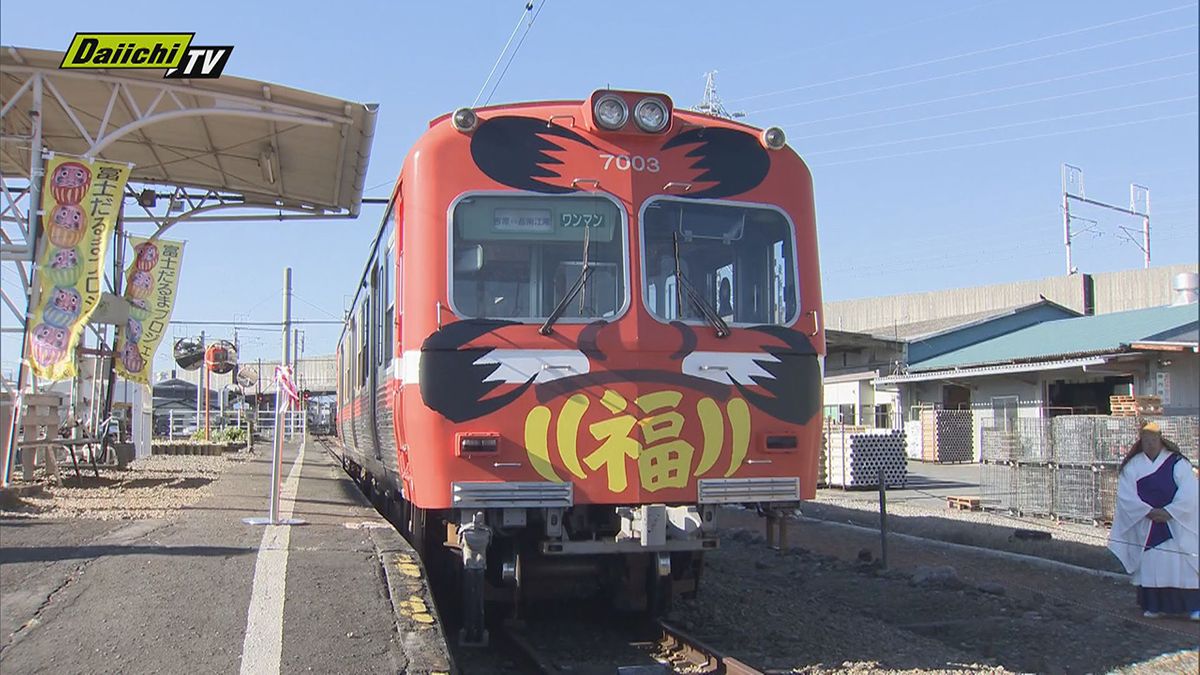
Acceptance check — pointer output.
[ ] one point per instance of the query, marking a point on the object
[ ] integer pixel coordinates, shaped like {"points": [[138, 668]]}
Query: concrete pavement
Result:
{"points": [[183, 593]]}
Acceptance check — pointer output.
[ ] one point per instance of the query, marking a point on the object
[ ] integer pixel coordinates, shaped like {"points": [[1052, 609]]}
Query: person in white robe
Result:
{"points": [[1156, 528]]}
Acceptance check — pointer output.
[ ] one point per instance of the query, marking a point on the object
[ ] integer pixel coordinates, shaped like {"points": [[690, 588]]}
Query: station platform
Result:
{"points": [[204, 592]]}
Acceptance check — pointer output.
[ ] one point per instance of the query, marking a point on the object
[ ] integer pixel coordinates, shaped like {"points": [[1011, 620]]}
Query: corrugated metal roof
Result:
{"points": [[919, 330], [1068, 337], [1002, 369]]}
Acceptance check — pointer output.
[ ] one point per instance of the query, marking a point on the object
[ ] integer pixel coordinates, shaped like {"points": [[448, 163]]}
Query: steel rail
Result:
{"points": [[687, 647]]}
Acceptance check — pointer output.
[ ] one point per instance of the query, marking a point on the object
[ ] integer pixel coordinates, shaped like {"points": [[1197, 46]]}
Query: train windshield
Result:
{"points": [[739, 258], [517, 256]]}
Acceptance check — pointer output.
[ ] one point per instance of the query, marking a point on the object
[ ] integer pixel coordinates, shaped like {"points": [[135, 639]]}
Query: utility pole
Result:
{"points": [[1072, 189], [1066, 210]]}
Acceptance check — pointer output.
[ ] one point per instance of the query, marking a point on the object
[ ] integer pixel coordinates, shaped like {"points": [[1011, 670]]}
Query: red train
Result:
{"points": [[592, 322]]}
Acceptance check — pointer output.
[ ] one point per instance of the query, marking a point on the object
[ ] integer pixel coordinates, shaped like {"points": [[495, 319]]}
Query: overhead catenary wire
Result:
{"points": [[503, 51], [997, 127], [864, 36], [516, 49], [313, 305], [972, 71], [1000, 106], [1063, 132], [994, 90], [962, 55]]}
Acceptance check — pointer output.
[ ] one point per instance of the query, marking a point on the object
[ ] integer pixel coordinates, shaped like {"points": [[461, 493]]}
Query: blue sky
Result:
{"points": [[935, 130]]}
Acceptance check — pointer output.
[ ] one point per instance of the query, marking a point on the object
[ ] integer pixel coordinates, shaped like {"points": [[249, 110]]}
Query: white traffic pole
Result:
{"points": [[280, 416]]}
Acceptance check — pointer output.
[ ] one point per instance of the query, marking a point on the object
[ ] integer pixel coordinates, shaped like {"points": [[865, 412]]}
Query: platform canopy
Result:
{"points": [[270, 145]]}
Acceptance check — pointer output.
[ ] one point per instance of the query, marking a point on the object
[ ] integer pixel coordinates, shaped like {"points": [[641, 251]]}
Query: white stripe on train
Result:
{"points": [[516, 366]]}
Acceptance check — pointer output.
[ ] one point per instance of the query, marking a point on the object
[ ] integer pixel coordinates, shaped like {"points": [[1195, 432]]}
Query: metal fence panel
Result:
{"points": [[998, 486], [1035, 489]]}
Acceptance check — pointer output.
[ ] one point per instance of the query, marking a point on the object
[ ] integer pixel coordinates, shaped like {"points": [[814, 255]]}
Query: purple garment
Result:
{"points": [[1158, 489]]}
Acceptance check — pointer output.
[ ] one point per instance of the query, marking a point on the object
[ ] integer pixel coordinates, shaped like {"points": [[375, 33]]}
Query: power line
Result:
{"points": [[500, 56], [1002, 126], [995, 90], [517, 48], [962, 55], [376, 187], [314, 306], [864, 36], [1000, 106], [1064, 132], [980, 69]]}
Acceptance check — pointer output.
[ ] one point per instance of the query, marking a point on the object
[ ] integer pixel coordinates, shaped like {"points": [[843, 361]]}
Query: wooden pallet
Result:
{"points": [[1132, 406], [964, 503]]}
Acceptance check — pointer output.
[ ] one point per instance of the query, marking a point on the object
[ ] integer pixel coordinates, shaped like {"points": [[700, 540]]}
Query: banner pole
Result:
{"points": [[33, 232]]}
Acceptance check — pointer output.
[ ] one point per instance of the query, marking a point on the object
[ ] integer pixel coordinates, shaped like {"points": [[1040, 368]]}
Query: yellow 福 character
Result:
{"points": [[616, 444], [666, 460]]}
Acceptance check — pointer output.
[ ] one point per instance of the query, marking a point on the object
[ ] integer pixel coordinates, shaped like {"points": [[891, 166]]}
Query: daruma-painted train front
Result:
{"points": [[591, 322]]}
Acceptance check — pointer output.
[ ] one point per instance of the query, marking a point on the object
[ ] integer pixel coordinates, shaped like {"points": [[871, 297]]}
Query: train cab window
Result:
{"points": [[739, 259], [517, 257]]}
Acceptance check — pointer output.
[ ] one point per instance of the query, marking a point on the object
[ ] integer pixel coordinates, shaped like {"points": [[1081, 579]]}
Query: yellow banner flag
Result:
{"points": [[81, 199], [150, 284]]}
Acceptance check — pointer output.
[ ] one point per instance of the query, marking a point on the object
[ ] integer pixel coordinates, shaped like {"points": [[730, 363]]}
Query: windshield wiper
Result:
{"points": [[705, 308], [575, 289]]}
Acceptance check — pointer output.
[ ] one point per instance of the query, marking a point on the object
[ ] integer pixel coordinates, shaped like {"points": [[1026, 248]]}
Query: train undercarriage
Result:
{"points": [[532, 549]]}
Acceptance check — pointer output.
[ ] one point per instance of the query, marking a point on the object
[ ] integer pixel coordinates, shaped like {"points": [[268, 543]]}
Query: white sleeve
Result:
{"points": [[1130, 525], [1185, 513]]}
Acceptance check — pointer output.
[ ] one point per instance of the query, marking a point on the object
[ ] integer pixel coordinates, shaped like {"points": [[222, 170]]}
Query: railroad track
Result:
{"points": [[672, 651], [701, 657], [664, 647]]}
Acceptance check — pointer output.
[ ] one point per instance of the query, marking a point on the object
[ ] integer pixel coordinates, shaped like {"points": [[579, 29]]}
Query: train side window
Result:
{"points": [[351, 356], [389, 315], [379, 284], [364, 340]]}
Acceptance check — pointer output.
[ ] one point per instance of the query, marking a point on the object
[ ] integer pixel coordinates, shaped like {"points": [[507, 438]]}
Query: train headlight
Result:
{"points": [[464, 119], [610, 112], [651, 115], [774, 138]]}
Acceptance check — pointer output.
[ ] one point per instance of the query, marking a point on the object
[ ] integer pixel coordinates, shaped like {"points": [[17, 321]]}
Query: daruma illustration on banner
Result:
{"points": [[151, 282], [69, 181], [79, 208]]}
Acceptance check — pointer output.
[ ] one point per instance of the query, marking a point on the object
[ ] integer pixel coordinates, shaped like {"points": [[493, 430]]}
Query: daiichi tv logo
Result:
{"points": [[172, 52]]}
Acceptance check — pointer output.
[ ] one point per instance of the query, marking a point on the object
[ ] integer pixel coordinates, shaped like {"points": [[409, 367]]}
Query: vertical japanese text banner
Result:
{"points": [[80, 204], [150, 285]]}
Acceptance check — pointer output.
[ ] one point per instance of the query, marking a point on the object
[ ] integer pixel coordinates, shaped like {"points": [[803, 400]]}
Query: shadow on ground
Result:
{"points": [[1093, 554], [52, 553]]}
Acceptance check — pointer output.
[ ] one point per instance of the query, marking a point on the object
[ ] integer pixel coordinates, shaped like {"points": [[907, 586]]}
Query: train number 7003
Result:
{"points": [[627, 162]]}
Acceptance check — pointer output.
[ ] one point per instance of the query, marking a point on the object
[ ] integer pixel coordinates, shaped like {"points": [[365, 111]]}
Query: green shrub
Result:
{"points": [[230, 435]]}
